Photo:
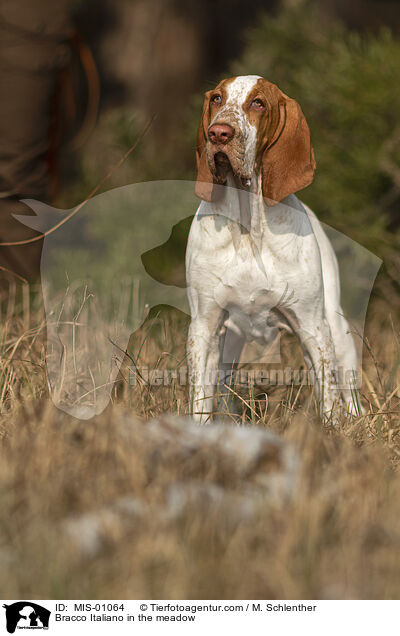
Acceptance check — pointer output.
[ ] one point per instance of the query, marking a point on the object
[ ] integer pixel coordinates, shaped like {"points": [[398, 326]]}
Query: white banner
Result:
{"points": [[193, 617]]}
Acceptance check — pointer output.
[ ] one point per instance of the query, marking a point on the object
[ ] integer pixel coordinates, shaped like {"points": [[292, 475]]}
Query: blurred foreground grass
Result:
{"points": [[337, 538]]}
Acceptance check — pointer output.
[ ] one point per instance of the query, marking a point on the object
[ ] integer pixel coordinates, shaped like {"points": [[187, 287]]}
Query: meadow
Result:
{"points": [[87, 509]]}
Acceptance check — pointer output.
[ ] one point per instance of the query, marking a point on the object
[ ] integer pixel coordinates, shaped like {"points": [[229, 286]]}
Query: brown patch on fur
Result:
{"points": [[284, 148], [287, 161]]}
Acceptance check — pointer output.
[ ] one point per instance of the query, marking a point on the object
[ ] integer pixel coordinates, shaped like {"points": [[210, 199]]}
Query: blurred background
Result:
{"points": [[339, 60], [83, 79]]}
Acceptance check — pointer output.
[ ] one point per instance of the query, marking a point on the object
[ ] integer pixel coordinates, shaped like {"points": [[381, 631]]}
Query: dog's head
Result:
{"points": [[249, 126]]}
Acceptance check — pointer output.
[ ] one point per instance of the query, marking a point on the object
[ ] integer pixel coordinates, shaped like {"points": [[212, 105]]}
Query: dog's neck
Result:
{"points": [[250, 209], [245, 208], [253, 219]]}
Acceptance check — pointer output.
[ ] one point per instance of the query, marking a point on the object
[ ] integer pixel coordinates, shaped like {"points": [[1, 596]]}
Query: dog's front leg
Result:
{"points": [[319, 353], [230, 346], [203, 361]]}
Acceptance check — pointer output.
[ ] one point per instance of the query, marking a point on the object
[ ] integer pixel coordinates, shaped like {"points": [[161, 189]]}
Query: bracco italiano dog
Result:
{"points": [[257, 258]]}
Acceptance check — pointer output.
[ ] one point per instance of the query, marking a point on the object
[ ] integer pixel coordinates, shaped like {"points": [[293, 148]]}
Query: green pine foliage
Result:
{"points": [[348, 87]]}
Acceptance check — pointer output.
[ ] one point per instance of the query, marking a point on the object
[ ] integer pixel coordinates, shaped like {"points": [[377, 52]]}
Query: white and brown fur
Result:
{"points": [[257, 258]]}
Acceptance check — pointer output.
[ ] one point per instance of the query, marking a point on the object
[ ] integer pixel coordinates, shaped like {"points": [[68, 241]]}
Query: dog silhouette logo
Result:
{"points": [[26, 615], [103, 270]]}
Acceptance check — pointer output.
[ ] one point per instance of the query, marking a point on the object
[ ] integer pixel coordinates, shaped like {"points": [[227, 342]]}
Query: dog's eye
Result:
{"points": [[257, 104], [216, 99]]}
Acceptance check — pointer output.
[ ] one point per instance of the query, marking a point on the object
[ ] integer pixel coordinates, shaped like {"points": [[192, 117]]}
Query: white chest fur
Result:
{"points": [[257, 274]]}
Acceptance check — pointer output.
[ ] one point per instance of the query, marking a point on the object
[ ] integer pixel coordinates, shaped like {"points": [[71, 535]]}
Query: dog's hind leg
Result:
{"points": [[346, 358]]}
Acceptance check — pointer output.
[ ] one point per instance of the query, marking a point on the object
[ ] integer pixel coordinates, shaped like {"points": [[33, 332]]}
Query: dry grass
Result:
{"points": [[339, 537]]}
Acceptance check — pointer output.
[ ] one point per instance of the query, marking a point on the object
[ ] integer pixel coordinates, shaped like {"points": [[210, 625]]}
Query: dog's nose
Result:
{"points": [[220, 133]]}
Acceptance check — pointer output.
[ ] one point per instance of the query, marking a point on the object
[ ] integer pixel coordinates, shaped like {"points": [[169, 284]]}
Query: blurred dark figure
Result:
{"points": [[145, 60], [33, 48], [152, 57]]}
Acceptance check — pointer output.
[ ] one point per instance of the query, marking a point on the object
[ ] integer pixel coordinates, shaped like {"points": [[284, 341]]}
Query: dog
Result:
{"points": [[257, 258]]}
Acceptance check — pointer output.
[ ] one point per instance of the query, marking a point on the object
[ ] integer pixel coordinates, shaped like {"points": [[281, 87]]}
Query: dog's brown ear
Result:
{"points": [[204, 181], [288, 163]]}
